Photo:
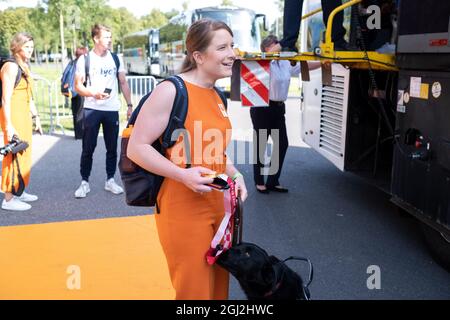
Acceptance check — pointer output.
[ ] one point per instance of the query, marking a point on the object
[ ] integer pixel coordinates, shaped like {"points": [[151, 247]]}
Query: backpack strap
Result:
{"points": [[117, 63], [87, 63], [222, 96], [18, 76], [177, 119]]}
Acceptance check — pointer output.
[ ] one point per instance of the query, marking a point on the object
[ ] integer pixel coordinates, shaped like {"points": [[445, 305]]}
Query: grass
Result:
{"points": [[50, 72]]}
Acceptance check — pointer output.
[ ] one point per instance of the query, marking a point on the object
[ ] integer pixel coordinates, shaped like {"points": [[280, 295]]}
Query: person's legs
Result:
{"points": [[259, 118], [338, 31], [110, 123], [280, 144], [292, 17], [91, 124], [77, 113], [185, 239]]}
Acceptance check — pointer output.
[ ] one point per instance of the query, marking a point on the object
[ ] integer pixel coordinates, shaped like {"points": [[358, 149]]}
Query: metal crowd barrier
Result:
{"points": [[53, 107], [140, 86]]}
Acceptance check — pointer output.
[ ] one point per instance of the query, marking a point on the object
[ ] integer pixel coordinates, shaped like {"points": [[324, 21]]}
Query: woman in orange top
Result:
{"points": [[190, 212], [16, 113]]}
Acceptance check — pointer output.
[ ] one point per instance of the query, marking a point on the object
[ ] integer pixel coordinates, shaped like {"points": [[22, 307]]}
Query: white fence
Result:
{"points": [[53, 107]]}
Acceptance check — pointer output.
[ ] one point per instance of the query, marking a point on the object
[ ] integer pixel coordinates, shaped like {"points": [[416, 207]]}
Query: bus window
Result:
{"points": [[243, 24]]}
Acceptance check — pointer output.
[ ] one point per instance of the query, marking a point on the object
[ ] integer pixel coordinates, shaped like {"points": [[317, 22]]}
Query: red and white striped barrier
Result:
{"points": [[255, 83]]}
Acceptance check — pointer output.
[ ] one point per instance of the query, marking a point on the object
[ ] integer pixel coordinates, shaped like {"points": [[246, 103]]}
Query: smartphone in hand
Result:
{"points": [[107, 90], [219, 183]]}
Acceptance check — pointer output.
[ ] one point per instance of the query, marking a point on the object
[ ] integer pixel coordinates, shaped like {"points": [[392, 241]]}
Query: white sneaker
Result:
{"points": [[26, 197], [15, 205], [113, 187], [82, 190]]}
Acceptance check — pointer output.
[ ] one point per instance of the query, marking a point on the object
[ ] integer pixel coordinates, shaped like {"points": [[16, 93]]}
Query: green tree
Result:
{"points": [[155, 19], [170, 14], [227, 3], [44, 33], [13, 20], [277, 26], [122, 22]]}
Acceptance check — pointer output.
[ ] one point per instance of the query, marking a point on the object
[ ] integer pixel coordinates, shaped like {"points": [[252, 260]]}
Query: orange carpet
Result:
{"points": [[118, 258]]}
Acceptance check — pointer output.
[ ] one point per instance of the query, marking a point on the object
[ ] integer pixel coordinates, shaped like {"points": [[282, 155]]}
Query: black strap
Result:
{"points": [[117, 62], [19, 191], [177, 119], [238, 222], [311, 273], [222, 96], [18, 76], [87, 63]]}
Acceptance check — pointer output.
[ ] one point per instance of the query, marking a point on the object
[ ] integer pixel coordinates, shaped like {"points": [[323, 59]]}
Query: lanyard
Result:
{"points": [[225, 230]]}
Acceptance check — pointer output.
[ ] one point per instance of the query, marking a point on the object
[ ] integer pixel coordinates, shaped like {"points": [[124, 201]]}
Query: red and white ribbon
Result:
{"points": [[223, 238]]}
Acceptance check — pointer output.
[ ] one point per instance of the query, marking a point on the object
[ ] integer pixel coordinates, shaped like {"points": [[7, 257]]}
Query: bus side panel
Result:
{"points": [[421, 169], [324, 114]]}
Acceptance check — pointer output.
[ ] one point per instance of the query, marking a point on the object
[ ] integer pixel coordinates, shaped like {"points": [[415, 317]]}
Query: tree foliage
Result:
{"points": [[43, 22]]}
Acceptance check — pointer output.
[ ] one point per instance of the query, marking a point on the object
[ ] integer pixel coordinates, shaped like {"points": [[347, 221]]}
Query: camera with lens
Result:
{"points": [[14, 146]]}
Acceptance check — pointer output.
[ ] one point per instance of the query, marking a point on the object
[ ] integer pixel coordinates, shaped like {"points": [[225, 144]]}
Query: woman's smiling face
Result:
{"points": [[217, 60]]}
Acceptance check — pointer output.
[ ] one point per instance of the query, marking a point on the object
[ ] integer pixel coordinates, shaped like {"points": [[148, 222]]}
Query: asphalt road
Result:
{"points": [[337, 220]]}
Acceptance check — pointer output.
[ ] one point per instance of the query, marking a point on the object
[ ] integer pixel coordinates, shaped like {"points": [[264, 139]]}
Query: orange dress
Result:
{"points": [[188, 221], [21, 120]]}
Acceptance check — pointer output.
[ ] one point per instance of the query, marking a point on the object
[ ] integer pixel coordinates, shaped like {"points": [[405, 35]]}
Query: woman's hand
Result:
{"points": [[241, 189], [38, 126], [194, 178]]}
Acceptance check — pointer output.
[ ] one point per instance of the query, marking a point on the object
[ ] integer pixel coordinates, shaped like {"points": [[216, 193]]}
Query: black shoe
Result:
{"points": [[266, 191], [343, 45], [277, 189], [289, 49]]}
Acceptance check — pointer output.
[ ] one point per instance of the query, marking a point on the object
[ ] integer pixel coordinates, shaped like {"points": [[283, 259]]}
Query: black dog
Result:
{"points": [[264, 277]]}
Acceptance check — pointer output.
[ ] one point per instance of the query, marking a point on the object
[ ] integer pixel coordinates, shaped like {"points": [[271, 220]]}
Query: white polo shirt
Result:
{"points": [[102, 74]]}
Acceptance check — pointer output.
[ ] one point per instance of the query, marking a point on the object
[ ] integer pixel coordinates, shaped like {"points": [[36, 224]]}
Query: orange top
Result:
{"points": [[209, 132]]}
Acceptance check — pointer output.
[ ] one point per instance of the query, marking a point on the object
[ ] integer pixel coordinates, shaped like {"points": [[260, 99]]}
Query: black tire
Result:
{"points": [[438, 244]]}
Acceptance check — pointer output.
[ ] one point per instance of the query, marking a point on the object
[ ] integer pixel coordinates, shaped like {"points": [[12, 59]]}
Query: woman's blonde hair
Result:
{"points": [[17, 42], [198, 38]]}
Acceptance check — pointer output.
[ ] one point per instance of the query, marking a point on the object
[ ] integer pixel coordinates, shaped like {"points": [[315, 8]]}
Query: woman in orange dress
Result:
{"points": [[16, 113], [190, 211]]}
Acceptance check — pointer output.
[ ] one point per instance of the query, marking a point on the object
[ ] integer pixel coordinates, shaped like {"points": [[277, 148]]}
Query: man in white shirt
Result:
{"points": [[97, 78], [272, 120]]}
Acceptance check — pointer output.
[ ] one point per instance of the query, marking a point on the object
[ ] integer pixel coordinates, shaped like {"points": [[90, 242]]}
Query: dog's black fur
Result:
{"points": [[262, 277]]}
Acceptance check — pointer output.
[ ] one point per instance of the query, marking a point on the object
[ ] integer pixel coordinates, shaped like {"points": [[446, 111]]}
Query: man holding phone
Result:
{"points": [[97, 78]]}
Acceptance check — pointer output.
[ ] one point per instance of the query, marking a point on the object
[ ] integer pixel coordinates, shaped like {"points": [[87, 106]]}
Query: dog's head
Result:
{"points": [[246, 261], [261, 276]]}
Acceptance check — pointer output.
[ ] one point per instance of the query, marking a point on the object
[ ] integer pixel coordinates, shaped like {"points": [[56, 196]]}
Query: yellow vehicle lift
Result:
{"points": [[326, 53]]}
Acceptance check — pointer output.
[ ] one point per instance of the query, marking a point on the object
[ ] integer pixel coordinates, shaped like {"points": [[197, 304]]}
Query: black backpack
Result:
{"points": [[141, 186], [18, 77]]}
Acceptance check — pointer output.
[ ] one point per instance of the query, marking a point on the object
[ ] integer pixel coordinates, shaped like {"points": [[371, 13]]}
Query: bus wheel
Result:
{"points": [[439, 245]]}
